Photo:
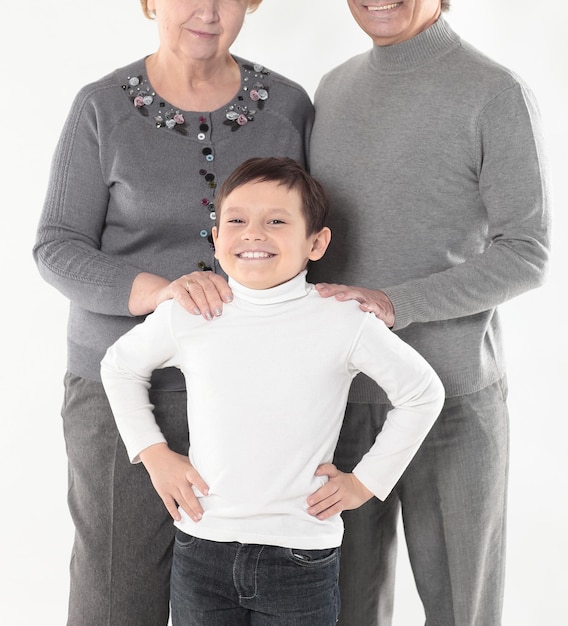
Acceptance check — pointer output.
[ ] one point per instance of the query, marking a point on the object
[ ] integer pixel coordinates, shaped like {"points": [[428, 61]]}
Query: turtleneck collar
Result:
{"points": [[290, 290], [429, 44]]}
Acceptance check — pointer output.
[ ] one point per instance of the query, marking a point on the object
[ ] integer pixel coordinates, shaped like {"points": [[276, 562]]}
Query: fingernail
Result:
{"points": [[208, 315], [228, 299], [218, 311], [197, 311]]}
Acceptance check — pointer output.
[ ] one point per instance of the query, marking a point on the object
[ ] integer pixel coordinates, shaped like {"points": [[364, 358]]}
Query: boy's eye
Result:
{"points": [[276, 221], [235, 220]]}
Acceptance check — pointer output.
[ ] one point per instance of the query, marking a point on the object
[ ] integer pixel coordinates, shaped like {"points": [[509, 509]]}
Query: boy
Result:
{"points": [[267, 385]]}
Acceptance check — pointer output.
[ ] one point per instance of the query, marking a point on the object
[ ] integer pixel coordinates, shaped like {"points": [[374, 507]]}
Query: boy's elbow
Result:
{"points": [[438, 395]]}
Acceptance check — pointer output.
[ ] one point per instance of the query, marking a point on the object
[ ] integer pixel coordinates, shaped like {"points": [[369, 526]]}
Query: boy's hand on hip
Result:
{"points": [[342, 492], [174, 477]]}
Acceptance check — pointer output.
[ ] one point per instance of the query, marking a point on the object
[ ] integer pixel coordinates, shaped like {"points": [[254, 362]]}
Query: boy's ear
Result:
{"points": [[214, 234], [320, 243]]}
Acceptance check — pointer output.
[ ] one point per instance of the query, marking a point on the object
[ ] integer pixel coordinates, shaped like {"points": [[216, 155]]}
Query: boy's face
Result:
{"points": [[261, 241]]}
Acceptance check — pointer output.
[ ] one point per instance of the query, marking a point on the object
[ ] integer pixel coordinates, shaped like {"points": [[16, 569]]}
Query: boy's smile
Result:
{"points": [[255, 255], [261, 240]]}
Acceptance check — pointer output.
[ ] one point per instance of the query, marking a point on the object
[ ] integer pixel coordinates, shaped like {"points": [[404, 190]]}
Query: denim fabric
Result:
{"points": [[234, 584], [453, 497], [121, 559]]}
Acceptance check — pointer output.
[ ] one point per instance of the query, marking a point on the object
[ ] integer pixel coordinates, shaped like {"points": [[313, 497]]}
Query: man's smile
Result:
{"points": [[384, 7]]}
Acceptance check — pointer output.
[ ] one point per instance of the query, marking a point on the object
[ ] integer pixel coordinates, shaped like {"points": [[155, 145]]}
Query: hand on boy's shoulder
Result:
{"points": [[370, 300]]}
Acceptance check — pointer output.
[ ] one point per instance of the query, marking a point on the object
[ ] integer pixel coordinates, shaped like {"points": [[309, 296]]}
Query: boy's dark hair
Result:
{"points": [[445, 5], [284, 171]]}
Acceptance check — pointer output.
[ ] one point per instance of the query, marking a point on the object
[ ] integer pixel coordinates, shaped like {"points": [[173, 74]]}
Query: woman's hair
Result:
{"points": [[252, 6], [283, 171], [445, 5]]}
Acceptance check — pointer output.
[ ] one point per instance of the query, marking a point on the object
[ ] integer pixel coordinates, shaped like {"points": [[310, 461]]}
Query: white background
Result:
{"points": [[48, 50]]}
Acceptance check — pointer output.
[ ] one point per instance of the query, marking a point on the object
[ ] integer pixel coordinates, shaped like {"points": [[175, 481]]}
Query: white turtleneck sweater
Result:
{"points": [[267, 387]]}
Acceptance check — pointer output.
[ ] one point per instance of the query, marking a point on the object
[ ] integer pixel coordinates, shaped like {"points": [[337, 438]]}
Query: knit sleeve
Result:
{"points": [[67, 248], [514, 190], [126, 370], [415, 393]]}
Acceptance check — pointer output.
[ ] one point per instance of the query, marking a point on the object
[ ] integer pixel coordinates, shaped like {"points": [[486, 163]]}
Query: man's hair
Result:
{"points": [[283, 171], [445, 5]]}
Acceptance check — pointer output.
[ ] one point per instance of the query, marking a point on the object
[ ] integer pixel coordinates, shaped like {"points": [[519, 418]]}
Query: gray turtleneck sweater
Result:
{"points": [[432, 155]]}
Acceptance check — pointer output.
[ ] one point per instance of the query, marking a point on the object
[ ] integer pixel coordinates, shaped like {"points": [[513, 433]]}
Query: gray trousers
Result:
{"points": [[121, 559], [453, 500]]}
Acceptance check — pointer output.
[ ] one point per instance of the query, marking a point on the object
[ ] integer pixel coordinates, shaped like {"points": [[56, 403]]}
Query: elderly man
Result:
{"points": [[432, 156]]}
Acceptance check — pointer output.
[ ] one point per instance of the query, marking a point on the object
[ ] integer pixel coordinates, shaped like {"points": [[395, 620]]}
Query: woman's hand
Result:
{"points": [[200, 293], [173, 478], [342, 492], [371, 300]]}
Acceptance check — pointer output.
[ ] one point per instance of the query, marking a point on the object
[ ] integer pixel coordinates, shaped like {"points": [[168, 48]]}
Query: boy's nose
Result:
{"points": [[254, 233]]}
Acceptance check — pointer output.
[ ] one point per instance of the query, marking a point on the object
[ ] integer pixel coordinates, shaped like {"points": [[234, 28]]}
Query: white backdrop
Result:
{"points": [[47, 51]]}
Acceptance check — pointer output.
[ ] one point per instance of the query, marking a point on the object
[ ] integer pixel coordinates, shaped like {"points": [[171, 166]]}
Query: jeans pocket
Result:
{"points": [[313, 557], [184, 540]]}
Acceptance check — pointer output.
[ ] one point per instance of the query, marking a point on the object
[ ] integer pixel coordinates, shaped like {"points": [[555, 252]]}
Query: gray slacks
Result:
{"points": [[453, 501], [121, 558]]}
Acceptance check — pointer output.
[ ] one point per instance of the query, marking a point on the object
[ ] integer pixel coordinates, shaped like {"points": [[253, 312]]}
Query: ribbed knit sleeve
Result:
{"points": [[513, 184], [68, 247]]}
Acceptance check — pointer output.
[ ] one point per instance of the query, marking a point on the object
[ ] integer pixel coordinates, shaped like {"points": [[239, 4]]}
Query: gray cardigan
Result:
{"points": [[132, 189], [432, 154]]}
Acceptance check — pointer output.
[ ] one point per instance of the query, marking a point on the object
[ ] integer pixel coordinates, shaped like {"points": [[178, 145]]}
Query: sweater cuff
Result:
{"points": [[409, 305]]}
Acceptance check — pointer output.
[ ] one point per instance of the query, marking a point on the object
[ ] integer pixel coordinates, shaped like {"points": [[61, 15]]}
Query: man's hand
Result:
{"points": [[173, 477], [342, 492], [371, 300]]}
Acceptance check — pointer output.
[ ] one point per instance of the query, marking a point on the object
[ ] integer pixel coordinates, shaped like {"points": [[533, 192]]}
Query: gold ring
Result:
{"points": [[188, 283]]}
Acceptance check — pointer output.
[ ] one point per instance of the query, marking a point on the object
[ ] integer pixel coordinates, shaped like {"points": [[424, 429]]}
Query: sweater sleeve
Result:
{"points": [[125, 372], [67, 249], [416, 395], [514, 190]]}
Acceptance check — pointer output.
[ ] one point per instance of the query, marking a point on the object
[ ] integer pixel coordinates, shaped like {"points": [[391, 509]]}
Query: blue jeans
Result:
{"points": [[233, 584]]}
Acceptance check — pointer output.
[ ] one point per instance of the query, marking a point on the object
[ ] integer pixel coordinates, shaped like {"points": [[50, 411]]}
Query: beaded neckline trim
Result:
{"points": [[239, 113], [251, 99]]}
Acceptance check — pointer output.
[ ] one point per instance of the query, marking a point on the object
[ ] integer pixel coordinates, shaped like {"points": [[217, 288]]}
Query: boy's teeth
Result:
{"points": [[254, 255]]}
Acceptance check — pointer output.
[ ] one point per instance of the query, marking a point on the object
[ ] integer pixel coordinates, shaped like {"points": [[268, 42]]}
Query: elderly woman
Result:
{"points": [[126, 225]]}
